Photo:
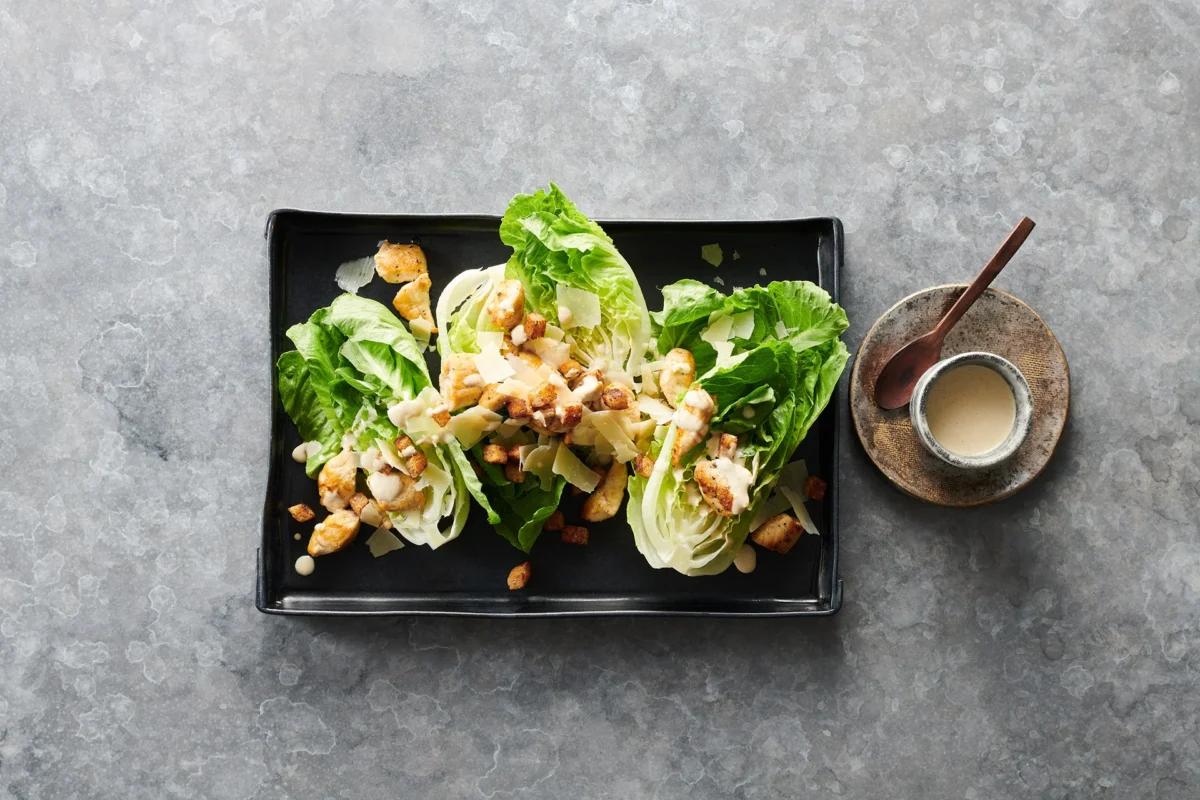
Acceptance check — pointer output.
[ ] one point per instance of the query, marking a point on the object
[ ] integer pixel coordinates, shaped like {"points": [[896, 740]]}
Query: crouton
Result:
{"points": [[333, 533], [518, 408], [412, 302], [460, 382], [400, 263], [301, 512], [643, 465], [780, 533], [574, 534], [571, 370], [512, 471], [588, 386], [492, 398], [555, 521], [678, 373], [543, 396], [519, 576], [534, 326], [495, 454], [441, 416], [616, 397], [335, 481], [569, 416], [605, 500], [815, 487], [358, 502], [506, 306]]}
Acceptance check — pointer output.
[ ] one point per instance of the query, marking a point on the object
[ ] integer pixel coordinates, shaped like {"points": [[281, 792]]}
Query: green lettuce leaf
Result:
{"points": [[770, 386], [555, 244]]}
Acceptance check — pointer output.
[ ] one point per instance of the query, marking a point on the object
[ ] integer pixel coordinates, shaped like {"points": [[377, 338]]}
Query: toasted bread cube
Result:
{"points": [[570, 415], [333, 533], [678, 373], [460, 382], [605, 500], [543, 396], [514, 453], [571, 370], [727, 446], [441, 416], [512, 471], [506, 306], [617, 397], [492, 398], [412, 301], [555, 521], [519, 575], [301, 512], [780, 533], [518, 408], [815, 487], [495, 454], [574, 534], [400, 263], [358, 502], [416, 464], [534, 326], [643, 465]]}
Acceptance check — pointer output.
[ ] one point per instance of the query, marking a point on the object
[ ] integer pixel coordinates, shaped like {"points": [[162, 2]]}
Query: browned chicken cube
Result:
{"points": [[506, 306], [605, 500], [301, 512], [574, 534], [333, 533], [780, 533], [519, 576], [400, 263]]}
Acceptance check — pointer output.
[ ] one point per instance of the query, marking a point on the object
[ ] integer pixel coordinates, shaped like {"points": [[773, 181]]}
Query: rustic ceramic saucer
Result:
{"points": [[998, 323]]}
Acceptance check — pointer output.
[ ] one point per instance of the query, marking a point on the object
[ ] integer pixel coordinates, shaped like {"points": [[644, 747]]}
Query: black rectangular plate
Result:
{"points": [[467, 576]]}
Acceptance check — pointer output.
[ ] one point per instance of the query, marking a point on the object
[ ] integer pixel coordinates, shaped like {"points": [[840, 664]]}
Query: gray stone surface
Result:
{"points": [[1047, 647]]}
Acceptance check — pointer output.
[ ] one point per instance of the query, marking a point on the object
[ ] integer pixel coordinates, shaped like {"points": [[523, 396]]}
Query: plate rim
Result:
{"points": [[826, 603]]}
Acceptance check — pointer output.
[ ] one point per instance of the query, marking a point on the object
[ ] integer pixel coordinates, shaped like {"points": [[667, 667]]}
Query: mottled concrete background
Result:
{"points": [[1048, 647]]}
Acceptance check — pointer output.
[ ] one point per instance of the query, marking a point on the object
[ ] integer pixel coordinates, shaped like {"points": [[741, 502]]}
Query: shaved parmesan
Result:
{"points": [[492, 366], [525, 373], [582, 307], [724, 352], [568, 465], [742, 325], [791, 485], [471, 425], [608, 425], [552, 352], [540, 462], [382, 542], [554, 332], [353, 275], [656, 410], [719, 328]]}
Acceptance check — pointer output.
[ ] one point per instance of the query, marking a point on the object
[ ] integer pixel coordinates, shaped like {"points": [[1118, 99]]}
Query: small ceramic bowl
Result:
{"points": [[1024, 410]]}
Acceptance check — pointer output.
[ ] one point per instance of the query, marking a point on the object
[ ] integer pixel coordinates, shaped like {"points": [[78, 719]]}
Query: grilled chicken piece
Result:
{"points": [[400, 263], [691, 421], [333, 533], [335, 482], [460, 382], [506, 306], [605, 500], [412, 301], [678, 373]]}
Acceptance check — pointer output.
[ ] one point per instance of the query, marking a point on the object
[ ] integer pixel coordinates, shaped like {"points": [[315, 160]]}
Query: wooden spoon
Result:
{"points": [[894, 386]]}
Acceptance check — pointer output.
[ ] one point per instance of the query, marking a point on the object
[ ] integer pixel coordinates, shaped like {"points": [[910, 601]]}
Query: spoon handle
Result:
{"points": [[985, 277]]}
